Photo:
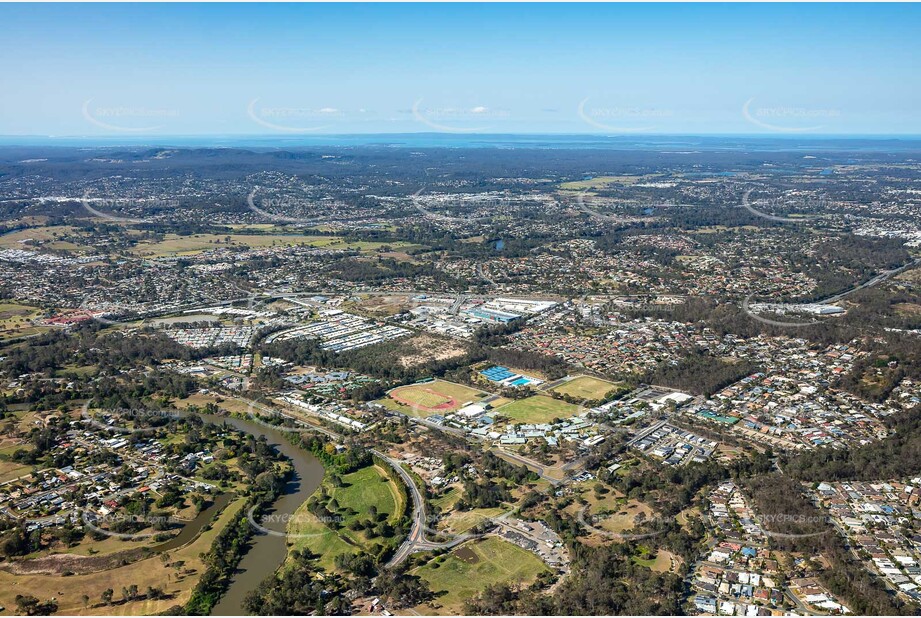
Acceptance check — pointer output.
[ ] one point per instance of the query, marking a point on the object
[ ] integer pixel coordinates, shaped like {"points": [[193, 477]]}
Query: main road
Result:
{"points": [[877, 279], [415, 540]]}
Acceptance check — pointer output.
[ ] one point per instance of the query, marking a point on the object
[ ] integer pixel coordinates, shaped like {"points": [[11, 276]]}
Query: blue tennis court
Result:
{"points": [[497, 374]]}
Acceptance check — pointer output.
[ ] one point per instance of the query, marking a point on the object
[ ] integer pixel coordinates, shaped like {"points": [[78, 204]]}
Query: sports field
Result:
{"points": [[470, 567], [424, 400], [586, 388], [538, 409]]}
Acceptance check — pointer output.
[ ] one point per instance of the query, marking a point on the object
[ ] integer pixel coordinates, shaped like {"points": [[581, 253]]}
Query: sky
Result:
{"points": [[315, 69]]}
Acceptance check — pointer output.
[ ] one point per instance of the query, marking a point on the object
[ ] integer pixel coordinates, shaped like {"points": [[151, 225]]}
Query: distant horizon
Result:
{"points": [[13, 140], [663, 144]]}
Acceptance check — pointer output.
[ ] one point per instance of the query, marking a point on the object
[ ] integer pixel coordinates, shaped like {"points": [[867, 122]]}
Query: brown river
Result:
{"points": [[267, 551]]}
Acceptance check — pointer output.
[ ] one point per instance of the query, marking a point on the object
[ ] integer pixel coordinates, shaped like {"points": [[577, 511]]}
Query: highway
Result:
{"points": [[877, 279], [457, 304], [747, 206]]}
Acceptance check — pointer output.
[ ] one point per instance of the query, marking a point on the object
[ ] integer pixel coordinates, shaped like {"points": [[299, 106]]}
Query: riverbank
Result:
{"points": [[267, 547]]}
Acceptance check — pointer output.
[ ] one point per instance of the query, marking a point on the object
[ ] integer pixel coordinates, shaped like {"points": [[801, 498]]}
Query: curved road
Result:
{"points": [[417, 531], [415, 540]]}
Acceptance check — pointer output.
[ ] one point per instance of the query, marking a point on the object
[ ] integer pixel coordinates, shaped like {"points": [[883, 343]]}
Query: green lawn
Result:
{"points": [[469, 568], [12, 448], [586, 388], [366, 488], [307, 532], [538, 409], [80, 370], [360, 491]]}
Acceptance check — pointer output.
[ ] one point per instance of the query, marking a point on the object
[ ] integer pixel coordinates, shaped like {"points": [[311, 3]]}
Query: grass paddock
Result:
{"points": [[538, 409], [470, 567], [586, 388]]}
